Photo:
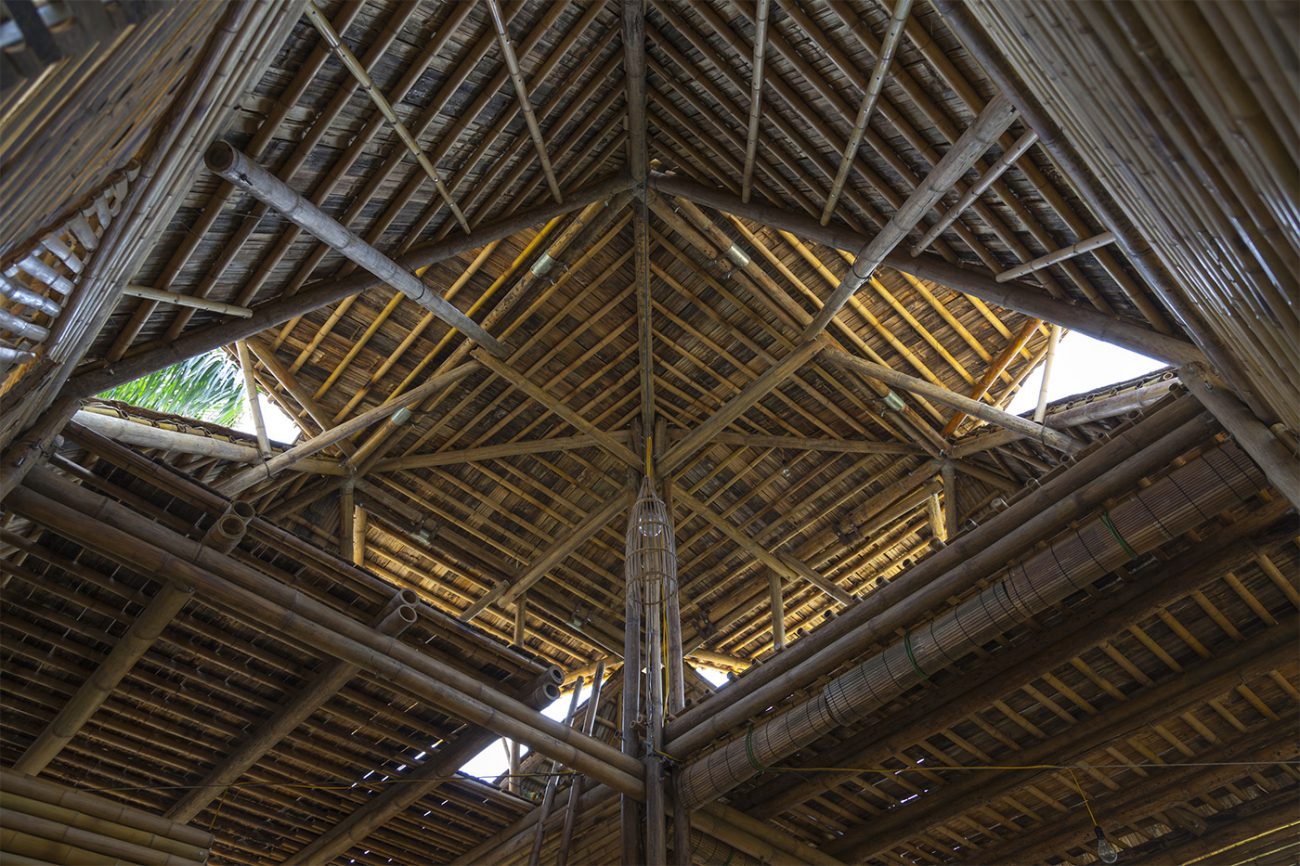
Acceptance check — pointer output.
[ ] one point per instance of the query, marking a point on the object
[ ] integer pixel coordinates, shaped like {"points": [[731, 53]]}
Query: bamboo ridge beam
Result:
{"points": [[222, 159], [255, 474], [314, 297], [991, 123], [114, 530], [1054, 438], [1012, 296], [799, 443]]}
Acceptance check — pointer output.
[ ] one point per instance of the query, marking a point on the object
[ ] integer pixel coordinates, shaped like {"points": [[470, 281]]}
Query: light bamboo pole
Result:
{"points": [[358, 71], [485, 452], [222, 159], [995, 171], [250, 398], [118, 532], [1031, 302], [575, 789], [256, 474], [993, 543], [396, 617], [756, 97], [521, 93], [893, 36], [131, 290], [548, 796], [951, 508], [800, 443], [144, 630], [1043, 261], [347, 500], [1053, 339], [1053, 438], [778, 610], [25, 833]]}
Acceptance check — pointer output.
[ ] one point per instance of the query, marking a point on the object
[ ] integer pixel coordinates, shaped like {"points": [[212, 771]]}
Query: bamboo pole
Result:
{"points": [[800, 443], [996, 368], [951, 508], [575, 790], [104, 525], [250, 398], [347, 518], [1031, 302], [359, 536], [134, 291], [485, 452], [397, 615], [256, 474], [778, 610], [1280, 465], [756, 98], [129, 649], [1074, 249], [631, 825], [548, 796], [995, 171], [358, 71], [1053, 338], [893, 36], [222, 159], [983, 411]]}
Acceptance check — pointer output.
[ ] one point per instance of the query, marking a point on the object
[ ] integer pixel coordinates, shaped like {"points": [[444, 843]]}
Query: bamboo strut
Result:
{"points": [[394, 619], [893, 36], [983, 411], [152, 294], [358, 71], [548, 796], [1031, 302], [575, 789], [250, 399], [235, 167], [1075, 249], [996, 170], [1053, 338], [254, 475], [756, 98], [521, 92], [120, 533], [130, 648]]}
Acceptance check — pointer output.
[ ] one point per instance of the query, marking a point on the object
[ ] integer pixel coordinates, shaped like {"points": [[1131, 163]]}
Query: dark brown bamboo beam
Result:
{"points": [[392, 620], [521, 93], [486, 452], [799, 443], [634, 81], [756, 97], [1012, 296], [313, 298]]}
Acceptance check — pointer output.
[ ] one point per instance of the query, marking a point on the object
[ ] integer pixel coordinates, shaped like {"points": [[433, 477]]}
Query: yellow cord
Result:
{"points": [[649, 464], [1086, 803]]}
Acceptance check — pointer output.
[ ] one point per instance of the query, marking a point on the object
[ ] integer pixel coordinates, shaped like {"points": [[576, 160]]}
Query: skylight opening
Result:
{"points": [[1082, 364]]}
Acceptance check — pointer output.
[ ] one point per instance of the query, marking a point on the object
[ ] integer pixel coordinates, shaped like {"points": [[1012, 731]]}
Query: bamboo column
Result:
{"points": [[778, 610], [347, 518], [951, 510]]}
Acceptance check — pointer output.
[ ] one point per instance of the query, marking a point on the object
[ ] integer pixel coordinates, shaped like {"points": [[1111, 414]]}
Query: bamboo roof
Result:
{"points": [[501, 503]]}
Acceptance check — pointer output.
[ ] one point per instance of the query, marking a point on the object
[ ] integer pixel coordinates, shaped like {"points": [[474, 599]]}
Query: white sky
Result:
{"points": [[1082, 364], [279, 426]]}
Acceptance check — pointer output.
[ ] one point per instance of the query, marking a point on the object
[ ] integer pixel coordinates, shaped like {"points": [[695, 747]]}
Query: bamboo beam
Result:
{"points": [[983, 411], [573, 539], [396, 616], [130, 648], [644, 312], [256, 474], [142, 435], [1053, 339], [325, 293], [486, 452], [996, 368], [995, 171], [1012, 296], [222, 159], [756, 98], [1075, 249], [951, 509], [130, 290], [634, 82], [521, 93], [1280, 466], [781, 563], [893, 35], [800, 443], [548, 796], [991, 123], [778, 611], [358, 71]]}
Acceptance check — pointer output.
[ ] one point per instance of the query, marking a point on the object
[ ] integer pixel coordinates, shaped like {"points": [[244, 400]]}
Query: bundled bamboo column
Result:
{"points": [[45, 820]]}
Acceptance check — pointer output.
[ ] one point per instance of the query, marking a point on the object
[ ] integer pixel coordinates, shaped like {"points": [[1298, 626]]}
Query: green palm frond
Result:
{"points": [[206, 387]]}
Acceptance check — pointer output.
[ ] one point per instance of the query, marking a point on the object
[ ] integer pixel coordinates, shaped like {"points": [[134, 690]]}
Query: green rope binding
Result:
{"points": [[911, 657], [1114, 530]]}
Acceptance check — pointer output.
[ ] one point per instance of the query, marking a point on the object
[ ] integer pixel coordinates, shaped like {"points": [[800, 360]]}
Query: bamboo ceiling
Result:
{"points": [[507, 489]]}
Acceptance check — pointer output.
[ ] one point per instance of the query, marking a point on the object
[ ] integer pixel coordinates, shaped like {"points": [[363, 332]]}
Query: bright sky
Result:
{"points": [[1082, 364], [279, 426]]}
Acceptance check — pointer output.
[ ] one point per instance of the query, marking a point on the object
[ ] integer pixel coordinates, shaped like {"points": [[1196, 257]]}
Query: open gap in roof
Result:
{"points": [[1082, 364]]}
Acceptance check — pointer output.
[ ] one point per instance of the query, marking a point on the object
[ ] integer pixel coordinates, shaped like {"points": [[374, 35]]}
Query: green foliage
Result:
{"points": [[207, 387]]}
